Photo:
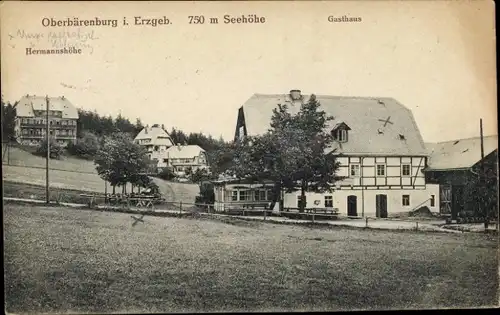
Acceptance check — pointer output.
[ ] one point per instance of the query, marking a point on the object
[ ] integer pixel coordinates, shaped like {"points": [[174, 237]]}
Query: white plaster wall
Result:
{"points": [[418, 198]]}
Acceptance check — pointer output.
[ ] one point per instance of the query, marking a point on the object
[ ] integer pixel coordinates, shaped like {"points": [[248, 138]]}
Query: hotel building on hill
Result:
{"points": [[30, 122]]}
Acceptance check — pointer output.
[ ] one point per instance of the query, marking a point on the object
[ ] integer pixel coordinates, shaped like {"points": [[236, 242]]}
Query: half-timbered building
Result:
{"points": [[377, 143]]}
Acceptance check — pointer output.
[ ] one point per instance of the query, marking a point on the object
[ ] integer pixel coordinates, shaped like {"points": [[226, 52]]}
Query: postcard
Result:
{"points": [[235, 156]]}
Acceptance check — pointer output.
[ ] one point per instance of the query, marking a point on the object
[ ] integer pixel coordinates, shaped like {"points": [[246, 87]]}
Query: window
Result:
{"points": [[354, 171], [235, 195], [165, 160], [157, 148], [269, 195], [260, 195], [328, 201], [243, 195], [405, 170], [433, 201], [341, 135], [380, 170], [406, 200]]}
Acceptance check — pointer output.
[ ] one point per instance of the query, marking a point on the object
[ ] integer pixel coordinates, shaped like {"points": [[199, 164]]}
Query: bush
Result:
{"points": [[201, 174], [207, 194], [166, 174], [86, 146], [56, 150]]}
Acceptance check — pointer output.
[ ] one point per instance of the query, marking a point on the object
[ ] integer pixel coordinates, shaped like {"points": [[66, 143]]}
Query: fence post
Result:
{"points": [[180, 207], [417, 227], [313, 212], [265, 214], [366, 225]]}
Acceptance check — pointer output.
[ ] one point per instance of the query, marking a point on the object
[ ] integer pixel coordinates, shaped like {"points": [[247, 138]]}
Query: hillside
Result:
{"points": [[72, 173]]}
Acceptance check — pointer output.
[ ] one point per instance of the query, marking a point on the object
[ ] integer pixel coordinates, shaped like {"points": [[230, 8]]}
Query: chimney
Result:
{"points": [[162, 126], [178, 146], [62, 97], [295, 95], [146, 129]]}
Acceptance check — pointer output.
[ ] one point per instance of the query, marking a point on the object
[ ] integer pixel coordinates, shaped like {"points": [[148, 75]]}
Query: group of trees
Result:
{"points": [[293, 153], [120, 161], [92, 122]]}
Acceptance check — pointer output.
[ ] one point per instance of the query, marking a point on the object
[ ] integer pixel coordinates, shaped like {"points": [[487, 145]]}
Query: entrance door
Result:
{"points": [[352, 206], [381, 206], [445, 207]]}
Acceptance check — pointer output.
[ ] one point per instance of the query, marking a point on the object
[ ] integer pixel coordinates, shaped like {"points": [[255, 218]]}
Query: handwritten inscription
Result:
{"points": [[66, 41]]}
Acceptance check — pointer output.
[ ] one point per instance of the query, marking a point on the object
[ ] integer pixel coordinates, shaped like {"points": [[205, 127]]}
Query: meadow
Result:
{"points": [[70, 173], [67, 260]]}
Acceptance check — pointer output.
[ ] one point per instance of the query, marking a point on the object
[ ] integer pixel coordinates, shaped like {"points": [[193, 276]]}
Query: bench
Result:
{"points": [[333, 211]]}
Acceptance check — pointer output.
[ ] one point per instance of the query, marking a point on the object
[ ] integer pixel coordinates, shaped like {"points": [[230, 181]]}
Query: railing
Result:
{"points": [[421, 204]]}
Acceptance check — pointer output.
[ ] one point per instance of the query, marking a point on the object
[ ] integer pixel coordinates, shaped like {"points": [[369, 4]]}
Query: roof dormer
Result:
{"points": [[340, 131]]}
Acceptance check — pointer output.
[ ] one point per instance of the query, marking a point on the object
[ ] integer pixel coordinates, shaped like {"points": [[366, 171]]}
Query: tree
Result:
{"points": [[56, 150], [8, 121], [121, 161], [221, 158], [200, 175], [294, 153], [85, 146], [166, 174]]}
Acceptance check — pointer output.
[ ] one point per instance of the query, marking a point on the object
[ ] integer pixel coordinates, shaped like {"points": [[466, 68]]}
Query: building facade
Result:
{"points": [[456, 166], [183, 159], [156, 140], [377, 144], [31, 115], [234, 194]]}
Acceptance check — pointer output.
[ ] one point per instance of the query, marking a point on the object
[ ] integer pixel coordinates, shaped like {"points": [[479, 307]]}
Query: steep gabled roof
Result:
{"points": [[30, 103], [341, 124], [375, 123], [460, 153], [156, 134], [184, 151]]}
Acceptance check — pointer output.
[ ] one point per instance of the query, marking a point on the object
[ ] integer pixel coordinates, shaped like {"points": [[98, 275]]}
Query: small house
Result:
{"points": [[236, 194], [184, 159]]}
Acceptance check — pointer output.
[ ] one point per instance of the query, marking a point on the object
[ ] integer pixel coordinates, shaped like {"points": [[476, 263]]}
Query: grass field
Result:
{"points": [[60, 260], [77, 174]]}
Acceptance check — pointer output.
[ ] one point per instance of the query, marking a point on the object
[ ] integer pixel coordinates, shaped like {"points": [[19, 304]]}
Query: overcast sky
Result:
{"points": [[435, 58]]}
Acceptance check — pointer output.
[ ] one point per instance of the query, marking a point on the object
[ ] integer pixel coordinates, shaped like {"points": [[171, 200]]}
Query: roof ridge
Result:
{"points": [[329, 96], [462, 139]]}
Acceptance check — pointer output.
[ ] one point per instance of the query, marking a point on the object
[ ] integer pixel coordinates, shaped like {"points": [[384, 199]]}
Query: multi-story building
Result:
{"points": [[156, 140], [377, 144], [160, 148], [185, 158], [31, 115]]}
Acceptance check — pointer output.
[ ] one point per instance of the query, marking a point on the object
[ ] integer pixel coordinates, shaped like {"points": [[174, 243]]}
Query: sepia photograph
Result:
{"points": [[249, 156]]}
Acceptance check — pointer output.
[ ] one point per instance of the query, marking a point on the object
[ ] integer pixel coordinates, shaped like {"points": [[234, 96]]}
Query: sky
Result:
{"points": [[437, 58]]}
